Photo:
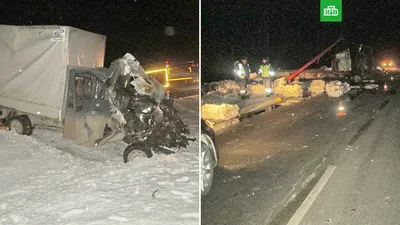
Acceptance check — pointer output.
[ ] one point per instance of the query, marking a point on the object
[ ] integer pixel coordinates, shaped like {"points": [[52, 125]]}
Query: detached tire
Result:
{"points": [[136, 151], [21, 125]]}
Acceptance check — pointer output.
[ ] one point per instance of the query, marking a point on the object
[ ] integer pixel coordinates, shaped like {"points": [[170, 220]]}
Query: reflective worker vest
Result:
{"points": [[264, 70]]}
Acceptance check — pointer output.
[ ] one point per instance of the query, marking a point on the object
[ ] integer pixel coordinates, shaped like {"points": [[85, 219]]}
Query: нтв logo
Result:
{"points": [[331, 10]]}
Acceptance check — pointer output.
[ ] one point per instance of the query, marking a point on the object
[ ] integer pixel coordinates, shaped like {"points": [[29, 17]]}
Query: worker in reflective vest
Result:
{"points": [[266, 73], [242, 72]]}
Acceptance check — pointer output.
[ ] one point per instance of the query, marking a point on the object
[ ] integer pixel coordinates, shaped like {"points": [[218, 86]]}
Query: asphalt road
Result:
{"points": [[271, 162]]}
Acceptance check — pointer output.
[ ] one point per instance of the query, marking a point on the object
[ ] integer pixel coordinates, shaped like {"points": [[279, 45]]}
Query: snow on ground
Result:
{"points": [[45, 179]]}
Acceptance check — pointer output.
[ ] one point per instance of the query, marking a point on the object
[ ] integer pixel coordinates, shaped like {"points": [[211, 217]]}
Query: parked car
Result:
{"points": [[209, 157]]}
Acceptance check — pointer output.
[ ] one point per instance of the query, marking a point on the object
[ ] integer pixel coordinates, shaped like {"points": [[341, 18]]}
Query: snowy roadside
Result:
{"points": [[45, 179]]}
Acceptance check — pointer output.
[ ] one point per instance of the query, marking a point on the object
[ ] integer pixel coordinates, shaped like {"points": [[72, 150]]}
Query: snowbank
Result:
{"points": [[288, 91], [317, 87], [45, 179], [256, 89], [336, 88]]}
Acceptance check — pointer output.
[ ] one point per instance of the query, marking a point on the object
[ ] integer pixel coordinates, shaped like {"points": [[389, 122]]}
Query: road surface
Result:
{"points": [[271, 162]]}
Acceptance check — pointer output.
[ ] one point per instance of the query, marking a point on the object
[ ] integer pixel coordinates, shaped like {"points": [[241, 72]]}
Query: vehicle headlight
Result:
{"points": [[272, 73]]}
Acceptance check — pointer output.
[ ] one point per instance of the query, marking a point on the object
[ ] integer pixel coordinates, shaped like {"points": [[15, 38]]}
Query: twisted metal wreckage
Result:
{"points": [[139, 114]]}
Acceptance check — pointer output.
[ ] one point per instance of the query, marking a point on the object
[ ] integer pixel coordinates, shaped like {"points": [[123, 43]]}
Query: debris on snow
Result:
{"points": [[336, 88], [256, 89], [317, 87]]}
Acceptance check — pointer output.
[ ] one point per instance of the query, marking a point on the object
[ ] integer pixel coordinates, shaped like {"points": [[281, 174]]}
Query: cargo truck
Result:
{"points": [[54, 76]]}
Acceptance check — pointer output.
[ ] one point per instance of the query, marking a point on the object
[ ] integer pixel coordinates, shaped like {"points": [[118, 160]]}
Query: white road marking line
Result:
{"points": [[305, 206]]}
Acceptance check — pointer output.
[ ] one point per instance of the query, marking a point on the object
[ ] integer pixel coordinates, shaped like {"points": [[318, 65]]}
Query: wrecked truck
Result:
{"points": [[53, 76]]}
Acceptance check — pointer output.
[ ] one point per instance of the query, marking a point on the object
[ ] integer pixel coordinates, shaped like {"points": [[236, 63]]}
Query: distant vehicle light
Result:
{"points": [[390, 64], [384, 64]]}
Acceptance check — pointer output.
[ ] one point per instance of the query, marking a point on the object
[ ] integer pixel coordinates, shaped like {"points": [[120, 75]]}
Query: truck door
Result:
{"points": [[87, 115]]}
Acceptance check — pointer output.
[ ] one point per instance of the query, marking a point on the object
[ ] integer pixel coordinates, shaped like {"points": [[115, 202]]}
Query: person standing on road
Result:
{"points": [[242, 72], [266, 75]]}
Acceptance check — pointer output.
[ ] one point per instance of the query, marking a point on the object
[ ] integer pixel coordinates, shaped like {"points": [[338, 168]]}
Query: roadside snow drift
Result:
{"points": [[45, 179]]}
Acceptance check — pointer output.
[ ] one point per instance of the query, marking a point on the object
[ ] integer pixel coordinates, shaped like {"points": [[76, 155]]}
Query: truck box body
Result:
{"points": [[34, 62]]}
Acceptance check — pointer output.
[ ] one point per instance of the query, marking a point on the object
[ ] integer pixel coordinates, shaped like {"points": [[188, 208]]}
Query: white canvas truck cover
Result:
{"points": [[33, 65]]}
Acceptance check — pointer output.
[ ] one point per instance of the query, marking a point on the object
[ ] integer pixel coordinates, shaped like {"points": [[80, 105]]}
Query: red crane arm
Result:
{"points": [[297, 72]]}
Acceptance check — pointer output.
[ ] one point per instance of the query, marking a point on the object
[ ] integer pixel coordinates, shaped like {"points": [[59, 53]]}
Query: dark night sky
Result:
{"points": [[135, 26], [231, 29]]}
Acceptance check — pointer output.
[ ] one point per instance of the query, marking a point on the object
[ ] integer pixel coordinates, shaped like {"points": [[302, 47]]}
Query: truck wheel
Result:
{"points": [[133, 152], [20, 125], [27, 124]]}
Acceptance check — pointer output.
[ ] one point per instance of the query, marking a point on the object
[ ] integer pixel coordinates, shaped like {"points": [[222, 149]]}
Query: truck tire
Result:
{"points": [[28, 125], [136, 151], [21, 125]]}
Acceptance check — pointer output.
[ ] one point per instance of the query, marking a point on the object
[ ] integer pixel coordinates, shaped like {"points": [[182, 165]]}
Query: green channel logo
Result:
{"points": [[331, 10]]}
